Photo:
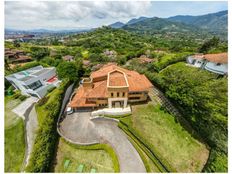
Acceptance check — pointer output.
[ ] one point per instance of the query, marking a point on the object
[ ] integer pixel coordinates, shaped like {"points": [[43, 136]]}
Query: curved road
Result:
{"points": [[79, 129]]}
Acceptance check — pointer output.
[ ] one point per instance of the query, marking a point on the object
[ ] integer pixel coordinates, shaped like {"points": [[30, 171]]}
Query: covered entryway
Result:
{"points": [[117, 102]]}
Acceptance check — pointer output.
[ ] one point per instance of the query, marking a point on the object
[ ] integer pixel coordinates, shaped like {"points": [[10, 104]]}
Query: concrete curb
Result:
{"points": [[104, 118]]}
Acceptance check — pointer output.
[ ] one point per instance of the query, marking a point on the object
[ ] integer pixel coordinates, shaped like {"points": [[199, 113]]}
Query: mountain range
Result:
{"points": [[213, 22]]}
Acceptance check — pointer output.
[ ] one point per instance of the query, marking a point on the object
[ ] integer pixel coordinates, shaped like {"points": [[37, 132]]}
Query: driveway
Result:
{"points": [[80, 129]]}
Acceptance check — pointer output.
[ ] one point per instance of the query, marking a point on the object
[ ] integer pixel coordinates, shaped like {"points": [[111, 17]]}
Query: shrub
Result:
{"points": [[22, 97], [16, 95], [42, 101], [217, 162], [51, 89]]}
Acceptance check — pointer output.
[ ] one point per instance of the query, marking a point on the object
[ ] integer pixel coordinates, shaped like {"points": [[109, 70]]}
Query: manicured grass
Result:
{"points": [[174, 144], [10, 117], [97, 159], [14, 146]]}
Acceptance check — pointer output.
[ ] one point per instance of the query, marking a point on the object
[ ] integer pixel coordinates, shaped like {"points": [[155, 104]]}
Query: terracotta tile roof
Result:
{"points": [[217, 58], [198, 56], [99, 90], [117, 78], [79, 99], [145, 60], [24, 58], [86, 62], [136, 82], [68, 57]]}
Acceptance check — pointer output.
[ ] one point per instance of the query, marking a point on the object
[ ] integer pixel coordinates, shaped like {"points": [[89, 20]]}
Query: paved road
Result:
{"points": [[80, 129]]}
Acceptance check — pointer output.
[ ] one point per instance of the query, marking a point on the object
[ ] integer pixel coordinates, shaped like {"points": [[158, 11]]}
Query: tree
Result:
{"points": [[39, 53], [209, 44], [68, 70], [16, 43]]}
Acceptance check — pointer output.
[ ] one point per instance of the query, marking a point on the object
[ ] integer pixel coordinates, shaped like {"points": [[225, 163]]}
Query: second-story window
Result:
{"points": [[123, 94], [117, 94], [112, 94]]}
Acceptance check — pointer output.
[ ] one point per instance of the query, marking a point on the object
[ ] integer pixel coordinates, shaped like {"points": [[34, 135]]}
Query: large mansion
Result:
{"points": [[111, 86]]}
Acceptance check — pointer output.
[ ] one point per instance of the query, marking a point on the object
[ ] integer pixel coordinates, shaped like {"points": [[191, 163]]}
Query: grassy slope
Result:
{"points": [[174, 143], [14, 137], [14, 147], [98, 159], [10, 117]]}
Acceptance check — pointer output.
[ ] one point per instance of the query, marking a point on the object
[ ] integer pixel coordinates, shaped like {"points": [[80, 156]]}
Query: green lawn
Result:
{"points": [[97, 159], [14, 136], [174, 144], [14, 146], [10, 117]]}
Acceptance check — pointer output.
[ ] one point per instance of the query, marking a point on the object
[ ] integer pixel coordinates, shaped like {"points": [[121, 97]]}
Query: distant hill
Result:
{"points": [[134, 20], [216, 22], [117, 25], [158, 25]]}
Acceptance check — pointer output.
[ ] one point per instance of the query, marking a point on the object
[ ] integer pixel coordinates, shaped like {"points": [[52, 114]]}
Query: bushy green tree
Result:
{"points": [[68, 70], [38, 53], [209, 44]]}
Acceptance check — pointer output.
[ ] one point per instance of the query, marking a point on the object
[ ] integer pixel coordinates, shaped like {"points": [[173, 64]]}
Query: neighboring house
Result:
{"points": [[86, 63], [17, 56], [111, 86], [144, 59], [34, 81], [68, 58], [216, 63]]}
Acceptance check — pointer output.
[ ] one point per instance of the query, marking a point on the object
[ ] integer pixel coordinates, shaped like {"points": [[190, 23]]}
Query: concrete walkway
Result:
{"points": [[31, 128], [26, 110], [79, 129], [21, 109]]}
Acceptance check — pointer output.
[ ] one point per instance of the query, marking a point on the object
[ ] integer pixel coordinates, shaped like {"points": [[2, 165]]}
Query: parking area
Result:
{"points": [[78, 128]]}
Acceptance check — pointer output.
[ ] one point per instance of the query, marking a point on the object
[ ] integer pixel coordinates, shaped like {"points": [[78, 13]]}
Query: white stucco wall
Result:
{"points": [[219, 69]]}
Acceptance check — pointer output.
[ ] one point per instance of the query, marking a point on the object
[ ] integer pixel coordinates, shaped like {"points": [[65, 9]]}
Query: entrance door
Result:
{"points": [[117, 104]]}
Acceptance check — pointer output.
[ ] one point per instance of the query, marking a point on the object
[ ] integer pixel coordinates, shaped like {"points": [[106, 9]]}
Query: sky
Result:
{"points": [[91, 14]]}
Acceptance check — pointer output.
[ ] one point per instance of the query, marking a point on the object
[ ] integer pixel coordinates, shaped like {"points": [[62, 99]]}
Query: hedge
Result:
{"points": [[169, 60], [105, 147], [46, 139]]}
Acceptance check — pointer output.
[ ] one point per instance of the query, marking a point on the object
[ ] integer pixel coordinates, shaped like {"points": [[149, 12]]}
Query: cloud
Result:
{"points": [[61, 13]]}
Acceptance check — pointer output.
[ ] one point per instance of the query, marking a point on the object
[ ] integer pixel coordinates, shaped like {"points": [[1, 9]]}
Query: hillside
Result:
{"points": [[158, 26], [216, 22], [117, 25]]}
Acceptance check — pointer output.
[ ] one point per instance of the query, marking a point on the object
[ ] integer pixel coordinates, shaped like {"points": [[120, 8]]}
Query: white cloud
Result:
{"points": [[44, 14]]}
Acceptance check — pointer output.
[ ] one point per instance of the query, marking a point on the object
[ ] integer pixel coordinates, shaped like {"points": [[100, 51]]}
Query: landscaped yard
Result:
{"points": [[91, 159], [174, 144]]}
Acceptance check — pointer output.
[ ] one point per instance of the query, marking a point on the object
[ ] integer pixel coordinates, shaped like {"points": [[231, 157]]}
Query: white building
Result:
{"points": [[34, 81], [216, 63]]}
